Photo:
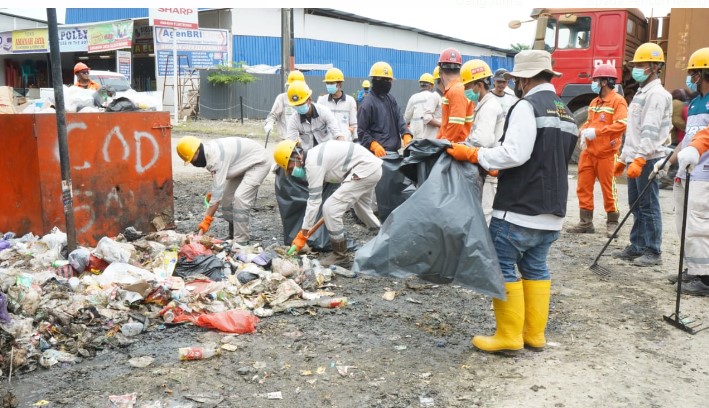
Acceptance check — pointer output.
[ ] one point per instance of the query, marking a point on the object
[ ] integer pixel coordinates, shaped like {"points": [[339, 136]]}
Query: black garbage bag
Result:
{"points": [[292, 197], [439, 233], [121, 104], [207, 265], [393, 188]]}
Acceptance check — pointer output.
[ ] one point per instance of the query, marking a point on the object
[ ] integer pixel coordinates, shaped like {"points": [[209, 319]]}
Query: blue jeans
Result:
{"points": [[646, 234], [525, 247]]}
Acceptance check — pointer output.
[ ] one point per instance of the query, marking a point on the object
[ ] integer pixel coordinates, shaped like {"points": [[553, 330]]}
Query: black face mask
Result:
{"points": [[518, 91], [201, 160], [380, 86]]}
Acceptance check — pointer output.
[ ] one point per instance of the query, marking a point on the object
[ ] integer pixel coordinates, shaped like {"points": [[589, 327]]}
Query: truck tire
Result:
{"points": [[581, 116]]}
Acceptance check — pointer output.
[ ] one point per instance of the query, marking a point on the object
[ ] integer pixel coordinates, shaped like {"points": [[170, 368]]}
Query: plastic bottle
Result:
{"points": [[196, 353], [338, 270], [329, 302]]}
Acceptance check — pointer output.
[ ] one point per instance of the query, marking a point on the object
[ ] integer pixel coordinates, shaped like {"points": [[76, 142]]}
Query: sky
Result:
{"points": [[480, 21]]}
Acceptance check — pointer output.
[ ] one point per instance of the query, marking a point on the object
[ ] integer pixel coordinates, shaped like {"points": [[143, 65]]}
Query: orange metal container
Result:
{"points": [[121, 170]]}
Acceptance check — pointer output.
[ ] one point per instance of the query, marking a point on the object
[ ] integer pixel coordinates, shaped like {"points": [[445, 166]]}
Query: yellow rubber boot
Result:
{"points": [[509, 318], [536, 312]]}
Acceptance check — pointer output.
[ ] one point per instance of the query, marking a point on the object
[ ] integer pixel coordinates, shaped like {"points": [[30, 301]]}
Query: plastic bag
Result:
{"points": [[4, 316], [393, 188], [193, 249], [123, 273], [207, 265], [121, 104], [79, 259], [112, 251], [232, 321]]}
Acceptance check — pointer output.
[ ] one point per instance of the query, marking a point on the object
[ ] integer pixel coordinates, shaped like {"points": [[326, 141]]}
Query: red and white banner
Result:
{"points": [[174, 17]]}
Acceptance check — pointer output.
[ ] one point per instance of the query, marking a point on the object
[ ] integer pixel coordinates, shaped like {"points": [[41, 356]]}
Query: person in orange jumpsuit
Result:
{"points": [[457, 110], [81, 71], [600, 140]]}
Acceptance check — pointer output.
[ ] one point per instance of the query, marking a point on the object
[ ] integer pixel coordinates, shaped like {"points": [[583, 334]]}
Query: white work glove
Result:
{"points": [[268, 127], [689, 156], [582, 143], [588, 133], [659, 169]]}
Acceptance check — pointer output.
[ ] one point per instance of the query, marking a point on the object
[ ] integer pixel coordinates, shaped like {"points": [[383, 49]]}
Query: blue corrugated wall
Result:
{"points": [[92, 15], [353, 60]]}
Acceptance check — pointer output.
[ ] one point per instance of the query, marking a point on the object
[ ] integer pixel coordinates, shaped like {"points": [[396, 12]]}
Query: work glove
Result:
{"points": [[618, 169], [462, 152], [688, 157], [377, 149], [582, 143], [493, 173], [300, 241], [268, 127], [588, 133], [635, 168], [407, 138], [660, 169], [205, 224]]}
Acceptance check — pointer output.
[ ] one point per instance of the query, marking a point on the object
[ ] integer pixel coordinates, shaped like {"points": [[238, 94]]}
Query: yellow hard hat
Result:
{"points": [[295, 76], [649, 52], [334, 75], [381, 69], [366, 84], [436, 72], [282, 153], [426, 77], [187, 146], [699, 59], [474, 70], [298, 93]]}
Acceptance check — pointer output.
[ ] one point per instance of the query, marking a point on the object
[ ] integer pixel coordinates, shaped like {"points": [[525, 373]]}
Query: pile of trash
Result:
{"points": [[58, 307], [78, 99]]}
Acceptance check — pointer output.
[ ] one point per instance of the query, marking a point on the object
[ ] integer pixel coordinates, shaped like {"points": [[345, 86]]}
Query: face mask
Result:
{"points": [[690, 85], [639, 75], [518, 90], [381, 87], [472, 95], [298, 172], [595, 87], [201, 160], [331, 89], [302, 109]]}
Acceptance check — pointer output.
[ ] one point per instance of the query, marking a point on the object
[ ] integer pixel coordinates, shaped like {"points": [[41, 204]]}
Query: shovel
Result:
{"points": [[317, 225]]}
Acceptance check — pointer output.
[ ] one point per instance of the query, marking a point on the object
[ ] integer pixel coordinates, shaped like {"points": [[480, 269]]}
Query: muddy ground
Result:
{"points": [[608, 345]]}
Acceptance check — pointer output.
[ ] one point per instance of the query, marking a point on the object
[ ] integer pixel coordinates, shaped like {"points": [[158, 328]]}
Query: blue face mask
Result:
{"points": [[690, 85], [639, 74], [302, 109], [595, 87], [298, 172], [472, 95], [331, 89]]}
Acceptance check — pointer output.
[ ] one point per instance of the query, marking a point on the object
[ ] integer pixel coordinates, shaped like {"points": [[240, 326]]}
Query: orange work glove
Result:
{"points": [[635, 168], [493, 173], [407, 138], [204, 225], [618, 169], [209, 197], [300, 241], [462, 152], [377, 149]]}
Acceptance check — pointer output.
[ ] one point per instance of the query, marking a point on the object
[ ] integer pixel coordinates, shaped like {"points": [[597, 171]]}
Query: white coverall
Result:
{"points": [[345, 111], [319, 128], [350, 164], [238, 167], [488, 125], [420, 109], [281, 111]]}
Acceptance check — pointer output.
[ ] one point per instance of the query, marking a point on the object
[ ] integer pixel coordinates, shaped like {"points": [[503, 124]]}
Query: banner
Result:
{"points": [[202, 48], [34, 40], [6, 43], [173, 17], [73, 39], [123, 63], [110, 36]]}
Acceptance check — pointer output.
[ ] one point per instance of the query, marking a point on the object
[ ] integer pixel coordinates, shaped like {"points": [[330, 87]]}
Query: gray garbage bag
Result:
{"points": [[393, 188], [439, 233], [207, 265]]}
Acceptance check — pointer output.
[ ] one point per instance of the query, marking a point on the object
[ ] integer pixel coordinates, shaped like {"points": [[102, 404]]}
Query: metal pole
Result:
{"points": [[174, 71], [291, 42], [241, 104], [285, 45], [67, 193]]}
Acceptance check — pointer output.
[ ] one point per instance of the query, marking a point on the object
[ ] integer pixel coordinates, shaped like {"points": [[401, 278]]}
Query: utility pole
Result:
{"points": [[287, 59]]}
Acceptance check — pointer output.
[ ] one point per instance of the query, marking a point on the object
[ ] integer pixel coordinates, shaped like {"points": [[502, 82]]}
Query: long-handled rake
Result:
{"points": [[675, 319], [601, 270]]}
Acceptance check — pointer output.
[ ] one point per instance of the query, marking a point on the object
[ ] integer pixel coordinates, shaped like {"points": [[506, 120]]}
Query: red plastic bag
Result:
{"points": [[232, 321], [192, 249]]}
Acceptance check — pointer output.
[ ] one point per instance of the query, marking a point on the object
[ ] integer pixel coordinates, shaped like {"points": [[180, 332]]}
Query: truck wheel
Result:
{"points": [[581, 116]]}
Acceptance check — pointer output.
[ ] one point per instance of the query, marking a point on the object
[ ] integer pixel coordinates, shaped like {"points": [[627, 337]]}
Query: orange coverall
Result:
{"points": [[457, 114], [609, 117]]}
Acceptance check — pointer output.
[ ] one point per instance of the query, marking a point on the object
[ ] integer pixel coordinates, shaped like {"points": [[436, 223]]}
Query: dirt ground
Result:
{"points": [[608, 345]]}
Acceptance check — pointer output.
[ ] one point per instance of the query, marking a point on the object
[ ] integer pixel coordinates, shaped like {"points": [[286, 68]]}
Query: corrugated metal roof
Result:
{"points": [[353, 60], [92, 15]]}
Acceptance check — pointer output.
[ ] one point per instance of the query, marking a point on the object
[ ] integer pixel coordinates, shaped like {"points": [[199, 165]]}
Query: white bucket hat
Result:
{"points": [[529, 63]]}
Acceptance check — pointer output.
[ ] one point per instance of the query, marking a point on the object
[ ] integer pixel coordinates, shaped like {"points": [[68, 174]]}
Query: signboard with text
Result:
{"points": [[203, 48], [174, 17], [123, 63], [34, 40], [110, 36]]}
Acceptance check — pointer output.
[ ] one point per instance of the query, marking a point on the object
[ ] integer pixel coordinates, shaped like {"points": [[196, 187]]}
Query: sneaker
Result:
{"points": [[627, 254], [673, 277], [648, 259], [695, 287]]}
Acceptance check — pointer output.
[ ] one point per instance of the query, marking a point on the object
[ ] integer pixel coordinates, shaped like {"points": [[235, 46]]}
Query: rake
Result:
{"points": [[601, 270], [674, 319]]}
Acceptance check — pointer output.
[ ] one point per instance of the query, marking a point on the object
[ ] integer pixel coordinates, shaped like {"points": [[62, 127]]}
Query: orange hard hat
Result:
{"points": [[605, 71], [80, 66]]}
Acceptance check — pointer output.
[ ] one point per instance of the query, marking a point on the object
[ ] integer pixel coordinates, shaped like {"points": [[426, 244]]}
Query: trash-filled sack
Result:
{"points": [[439, 233], [207, 265], [393, 188], [121, 104], [232, 321]]}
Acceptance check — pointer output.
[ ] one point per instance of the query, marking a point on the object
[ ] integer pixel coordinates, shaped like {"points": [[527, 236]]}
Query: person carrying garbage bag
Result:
{"points": [[529, 208], [333, 161], [238, 166]]}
